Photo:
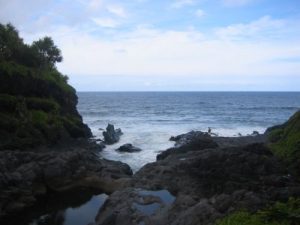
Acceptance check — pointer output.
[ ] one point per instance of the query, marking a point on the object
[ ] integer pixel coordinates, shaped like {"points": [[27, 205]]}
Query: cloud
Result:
{"points": [[94, 5], [145, 52], [94, 40], [117, 10], [264, 27], [106, 22], [236, 3], [181, 3], [199, 13], [20, 12]]}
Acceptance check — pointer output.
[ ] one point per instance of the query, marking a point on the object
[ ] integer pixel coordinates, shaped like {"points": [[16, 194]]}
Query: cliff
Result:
{"points": [[37, 105]]}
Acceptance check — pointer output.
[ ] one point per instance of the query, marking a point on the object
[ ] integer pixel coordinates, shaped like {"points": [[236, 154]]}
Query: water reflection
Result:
{"points": [[64, 209]]}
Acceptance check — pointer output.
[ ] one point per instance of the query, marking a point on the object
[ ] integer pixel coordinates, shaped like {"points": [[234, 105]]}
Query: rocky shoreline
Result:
{"points": [[200, 179], [209, 178], [27, 176]]}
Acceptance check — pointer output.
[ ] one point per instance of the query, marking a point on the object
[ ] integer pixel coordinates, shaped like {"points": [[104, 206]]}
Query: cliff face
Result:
{"points": [[37, 106]]}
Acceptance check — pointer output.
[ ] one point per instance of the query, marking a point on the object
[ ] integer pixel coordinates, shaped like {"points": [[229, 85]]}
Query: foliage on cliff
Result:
{"points": [[285, 141], [280, 213], [37, 105]]}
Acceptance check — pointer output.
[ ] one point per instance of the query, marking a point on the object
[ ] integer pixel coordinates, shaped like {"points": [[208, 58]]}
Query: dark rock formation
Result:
{"points": [[111, 135], [128, 148], [24, 176], [198, 140], [208, 183], [138, 205], [191, 141]]}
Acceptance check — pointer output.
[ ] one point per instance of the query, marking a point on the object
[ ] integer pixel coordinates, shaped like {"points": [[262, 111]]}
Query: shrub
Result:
{"points": [[280, 213]]}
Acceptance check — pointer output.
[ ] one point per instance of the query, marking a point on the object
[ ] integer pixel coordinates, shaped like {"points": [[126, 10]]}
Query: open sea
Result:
{"points": [[149, 119]]}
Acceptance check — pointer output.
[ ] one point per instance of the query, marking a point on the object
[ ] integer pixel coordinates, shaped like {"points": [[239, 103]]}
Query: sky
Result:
{"points": [[168, 45]]}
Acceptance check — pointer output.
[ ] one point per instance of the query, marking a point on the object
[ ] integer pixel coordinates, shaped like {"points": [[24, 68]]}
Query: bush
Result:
{"points": [[46, 105], [280, 213], [286, 213], [285, 140], [8, 103]]}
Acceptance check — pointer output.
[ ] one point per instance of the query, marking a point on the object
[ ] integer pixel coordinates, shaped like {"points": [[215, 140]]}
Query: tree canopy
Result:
{"points": [[42, 53]]}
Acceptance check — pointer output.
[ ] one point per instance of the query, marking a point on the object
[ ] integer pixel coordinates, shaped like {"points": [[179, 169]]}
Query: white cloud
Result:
{"points": [[117, 10], [159, 53], [20, 12], [106, 22], [94, 5], [181, 3], [199, 13], [264, 27]]}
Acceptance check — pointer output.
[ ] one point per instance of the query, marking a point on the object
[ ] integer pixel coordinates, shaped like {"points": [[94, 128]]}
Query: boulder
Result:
{"points": [[111, 135], [128, 148]]}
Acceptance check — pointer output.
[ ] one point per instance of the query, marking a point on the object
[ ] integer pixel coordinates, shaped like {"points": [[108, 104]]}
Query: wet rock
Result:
{"points": [[192, 141], [128, 148], [111, 135], [24, 176], [134, 206]]}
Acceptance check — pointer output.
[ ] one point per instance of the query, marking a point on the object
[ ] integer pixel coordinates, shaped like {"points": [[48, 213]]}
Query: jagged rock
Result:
{"points": [[207, 184], [191, 141], [128, 148], [111, 135], [26, 175]]}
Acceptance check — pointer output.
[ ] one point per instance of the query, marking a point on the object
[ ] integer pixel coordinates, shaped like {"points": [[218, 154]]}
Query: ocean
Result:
{"points": [[149, 119]]}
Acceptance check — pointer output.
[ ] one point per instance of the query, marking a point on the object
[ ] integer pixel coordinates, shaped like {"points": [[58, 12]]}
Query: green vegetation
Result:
{"points": [[37, 105], [279, 214], [285, 141]]}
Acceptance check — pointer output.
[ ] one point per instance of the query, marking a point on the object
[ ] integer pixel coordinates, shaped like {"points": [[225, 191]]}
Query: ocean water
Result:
{"points": [[149, 119]]}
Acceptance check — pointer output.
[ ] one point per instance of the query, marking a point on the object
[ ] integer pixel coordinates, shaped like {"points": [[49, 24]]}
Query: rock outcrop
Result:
{"points": [[26, 176], [128, 148], [207, 178], [111, 135]]}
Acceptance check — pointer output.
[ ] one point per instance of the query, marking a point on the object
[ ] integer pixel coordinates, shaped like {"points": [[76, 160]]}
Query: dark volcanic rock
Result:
{"points": [[128, 148], [26, 175], [191, 141], [111, 135], [214, 171], [134, 206], [208, 184]]}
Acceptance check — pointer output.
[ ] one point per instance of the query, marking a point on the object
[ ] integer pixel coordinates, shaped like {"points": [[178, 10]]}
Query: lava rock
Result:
{"points": [[192, 141], [128, 148], [111, 135]]}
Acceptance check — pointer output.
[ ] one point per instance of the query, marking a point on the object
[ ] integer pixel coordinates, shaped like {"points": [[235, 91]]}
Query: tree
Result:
{"points": [[48, 52], [10, 42]]}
